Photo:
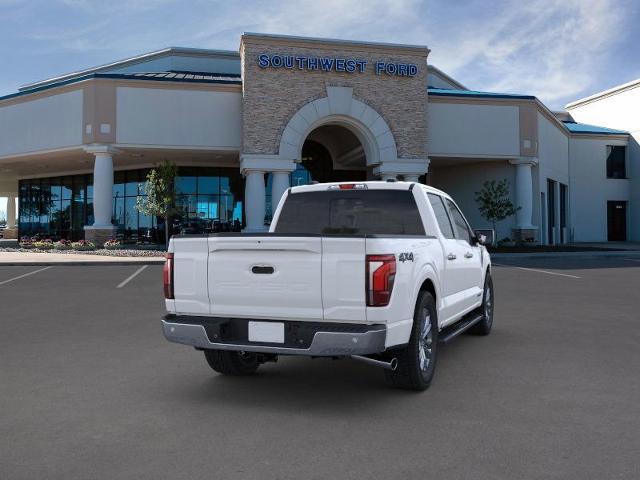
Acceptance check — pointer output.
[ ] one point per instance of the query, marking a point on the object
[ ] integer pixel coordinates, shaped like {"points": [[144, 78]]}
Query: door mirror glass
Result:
{"points": [[483, 237]]}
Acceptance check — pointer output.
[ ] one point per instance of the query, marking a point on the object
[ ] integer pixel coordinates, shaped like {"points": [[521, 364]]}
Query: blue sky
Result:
{"points": [[557, 50]]}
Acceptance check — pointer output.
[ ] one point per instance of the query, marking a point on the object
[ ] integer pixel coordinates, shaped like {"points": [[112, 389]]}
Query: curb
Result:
{"points": [[596, 254], [75, 263]]}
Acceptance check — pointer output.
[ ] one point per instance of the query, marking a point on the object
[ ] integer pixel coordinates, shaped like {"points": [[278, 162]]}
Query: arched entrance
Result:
{"points": [[332, 153]]}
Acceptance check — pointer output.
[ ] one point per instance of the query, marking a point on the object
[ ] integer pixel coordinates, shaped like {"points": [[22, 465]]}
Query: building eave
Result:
{"points": [[115, 76], [605, 93]]}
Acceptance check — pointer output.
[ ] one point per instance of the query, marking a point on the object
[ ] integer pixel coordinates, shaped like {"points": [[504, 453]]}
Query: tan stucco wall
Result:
{"points": [[272, 96]]}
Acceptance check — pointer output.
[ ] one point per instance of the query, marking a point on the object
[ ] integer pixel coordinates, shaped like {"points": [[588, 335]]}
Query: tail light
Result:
{"points": [[167, 276], [381, 273]]}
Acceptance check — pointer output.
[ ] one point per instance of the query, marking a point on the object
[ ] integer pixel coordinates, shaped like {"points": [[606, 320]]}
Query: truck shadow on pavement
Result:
{"points": [[297, 384]]}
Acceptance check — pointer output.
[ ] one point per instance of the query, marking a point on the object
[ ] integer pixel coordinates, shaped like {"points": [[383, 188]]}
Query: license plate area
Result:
{"points": [[266, 332]]}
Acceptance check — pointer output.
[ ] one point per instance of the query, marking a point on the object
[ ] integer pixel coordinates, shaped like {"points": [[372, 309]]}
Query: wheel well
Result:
{"points": [[427, 286]]}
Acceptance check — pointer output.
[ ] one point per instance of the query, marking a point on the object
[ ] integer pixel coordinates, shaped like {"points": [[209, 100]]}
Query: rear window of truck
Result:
{"points": [[350, 212]]}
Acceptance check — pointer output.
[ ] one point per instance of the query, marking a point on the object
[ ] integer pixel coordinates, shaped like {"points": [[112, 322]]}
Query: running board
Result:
{"points": [[461, 326]]}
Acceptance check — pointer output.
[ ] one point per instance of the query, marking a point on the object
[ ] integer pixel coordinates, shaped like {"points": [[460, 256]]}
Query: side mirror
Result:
{"points": [[484, 237]]}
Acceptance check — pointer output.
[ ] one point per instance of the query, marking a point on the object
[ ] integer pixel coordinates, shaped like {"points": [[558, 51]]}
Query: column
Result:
{"points": [[279, 185], [525, 230], [11, 212], [254, 197], [103, 190], [102, 228]]}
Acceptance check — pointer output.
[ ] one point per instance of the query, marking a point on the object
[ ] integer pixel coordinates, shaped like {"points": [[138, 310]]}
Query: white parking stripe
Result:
{"points": [[25, 275], [132, 276], [539, 271]]}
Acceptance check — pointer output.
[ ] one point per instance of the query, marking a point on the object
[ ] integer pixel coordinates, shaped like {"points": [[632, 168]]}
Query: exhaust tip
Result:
{"points": [[393, 364]]}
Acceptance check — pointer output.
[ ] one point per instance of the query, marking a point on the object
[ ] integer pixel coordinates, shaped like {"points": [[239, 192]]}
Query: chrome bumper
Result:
{"points": [[324, 344]]}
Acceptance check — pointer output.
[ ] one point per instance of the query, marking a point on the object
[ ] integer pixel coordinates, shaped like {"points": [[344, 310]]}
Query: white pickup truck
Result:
{"points": [[377, 271]]}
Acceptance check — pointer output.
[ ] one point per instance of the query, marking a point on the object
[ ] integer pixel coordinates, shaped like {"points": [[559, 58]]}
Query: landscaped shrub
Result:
{"points": [[83, 245], [43, 244], [62, 245], [25, 242], [112, 244]]}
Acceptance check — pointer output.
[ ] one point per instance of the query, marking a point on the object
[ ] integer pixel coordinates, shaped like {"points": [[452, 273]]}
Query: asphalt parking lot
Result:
{"points": [[89, 388]]}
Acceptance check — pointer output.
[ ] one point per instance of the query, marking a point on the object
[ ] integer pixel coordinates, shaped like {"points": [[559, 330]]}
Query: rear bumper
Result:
{"points": [[301, 338]]}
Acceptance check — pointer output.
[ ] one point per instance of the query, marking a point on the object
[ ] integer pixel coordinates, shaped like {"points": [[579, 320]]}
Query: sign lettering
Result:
{"points": [[331, 64]]}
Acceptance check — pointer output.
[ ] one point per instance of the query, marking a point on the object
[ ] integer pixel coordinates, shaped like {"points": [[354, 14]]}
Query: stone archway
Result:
{"points": [[340, 108]]}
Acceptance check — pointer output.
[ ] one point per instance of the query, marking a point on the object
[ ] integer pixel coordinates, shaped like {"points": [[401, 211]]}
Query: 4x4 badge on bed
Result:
{"points": [[406, 256]]}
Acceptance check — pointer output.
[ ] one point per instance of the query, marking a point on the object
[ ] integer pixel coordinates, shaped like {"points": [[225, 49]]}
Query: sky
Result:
{"points": [[558, 50]]}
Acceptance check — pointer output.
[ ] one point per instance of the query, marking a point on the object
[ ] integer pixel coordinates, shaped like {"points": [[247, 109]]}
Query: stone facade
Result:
{"points": [[272, 96], [10, 233], [98, 235]]}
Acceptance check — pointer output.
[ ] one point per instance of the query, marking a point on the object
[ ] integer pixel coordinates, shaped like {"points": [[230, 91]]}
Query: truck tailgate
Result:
{"points": [[271, 277]]}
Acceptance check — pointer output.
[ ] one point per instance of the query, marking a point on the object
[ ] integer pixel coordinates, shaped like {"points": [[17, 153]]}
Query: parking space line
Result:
{"points": [[25, 275], [132, 276], [539, 271]]}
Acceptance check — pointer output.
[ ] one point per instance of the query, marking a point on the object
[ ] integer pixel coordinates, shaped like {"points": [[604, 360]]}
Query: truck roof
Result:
{"points": [[371, 185]]}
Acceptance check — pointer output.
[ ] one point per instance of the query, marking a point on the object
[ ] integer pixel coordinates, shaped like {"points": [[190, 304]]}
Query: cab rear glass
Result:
{"points": [[350, 212]]}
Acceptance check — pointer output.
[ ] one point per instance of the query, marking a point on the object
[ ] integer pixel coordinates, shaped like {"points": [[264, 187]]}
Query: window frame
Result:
{"points": [[625, 170], [446, 211], [470, 233]]}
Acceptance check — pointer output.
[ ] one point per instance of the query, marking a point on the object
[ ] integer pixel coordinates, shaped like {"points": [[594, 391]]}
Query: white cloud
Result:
{"points": [[553, 49]]}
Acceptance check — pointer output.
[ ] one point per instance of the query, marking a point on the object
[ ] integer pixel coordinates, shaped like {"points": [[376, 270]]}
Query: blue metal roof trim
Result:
{"points": [[227, 79], [445, 92], [575, 127]]}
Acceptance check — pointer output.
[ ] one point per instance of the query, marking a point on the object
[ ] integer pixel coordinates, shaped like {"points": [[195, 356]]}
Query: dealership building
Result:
{"points": [[245, 126]]}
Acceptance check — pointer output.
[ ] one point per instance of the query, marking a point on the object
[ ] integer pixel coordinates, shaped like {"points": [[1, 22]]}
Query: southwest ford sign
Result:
{"points": [[334, 64]]}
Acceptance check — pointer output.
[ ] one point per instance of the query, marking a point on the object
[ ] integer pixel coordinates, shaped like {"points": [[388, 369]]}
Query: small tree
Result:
{"points": [[160, 193], [494, 203]]}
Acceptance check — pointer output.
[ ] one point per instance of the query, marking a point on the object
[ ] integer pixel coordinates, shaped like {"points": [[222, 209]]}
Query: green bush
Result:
{"points": [[83, 245]]}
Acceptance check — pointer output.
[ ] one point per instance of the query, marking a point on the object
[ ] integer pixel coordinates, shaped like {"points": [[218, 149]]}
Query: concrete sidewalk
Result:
{"points": [[33, 258], [592, 253]]}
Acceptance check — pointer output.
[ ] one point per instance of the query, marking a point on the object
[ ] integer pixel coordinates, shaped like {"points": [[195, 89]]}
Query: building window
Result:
{"points": [[208, 200], [616, 161], [56, 207], [564, 201]]}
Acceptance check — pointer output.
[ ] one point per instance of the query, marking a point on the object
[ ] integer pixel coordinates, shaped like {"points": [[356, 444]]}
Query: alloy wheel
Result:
{"points": [[425, 349]]}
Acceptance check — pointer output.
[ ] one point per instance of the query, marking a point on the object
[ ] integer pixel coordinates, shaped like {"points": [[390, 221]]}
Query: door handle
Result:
{"points": [[468, 255], [451, 256], [262, 269]]}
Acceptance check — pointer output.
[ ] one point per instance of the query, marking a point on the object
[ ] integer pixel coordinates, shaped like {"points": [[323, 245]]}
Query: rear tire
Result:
{"points": [[483, 327], [232, 363], [417, 361]]}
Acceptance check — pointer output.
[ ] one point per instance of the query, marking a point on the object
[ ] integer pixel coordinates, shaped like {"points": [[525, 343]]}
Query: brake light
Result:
{"points": [[348, 186], [381, 273], [167, 276]]}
